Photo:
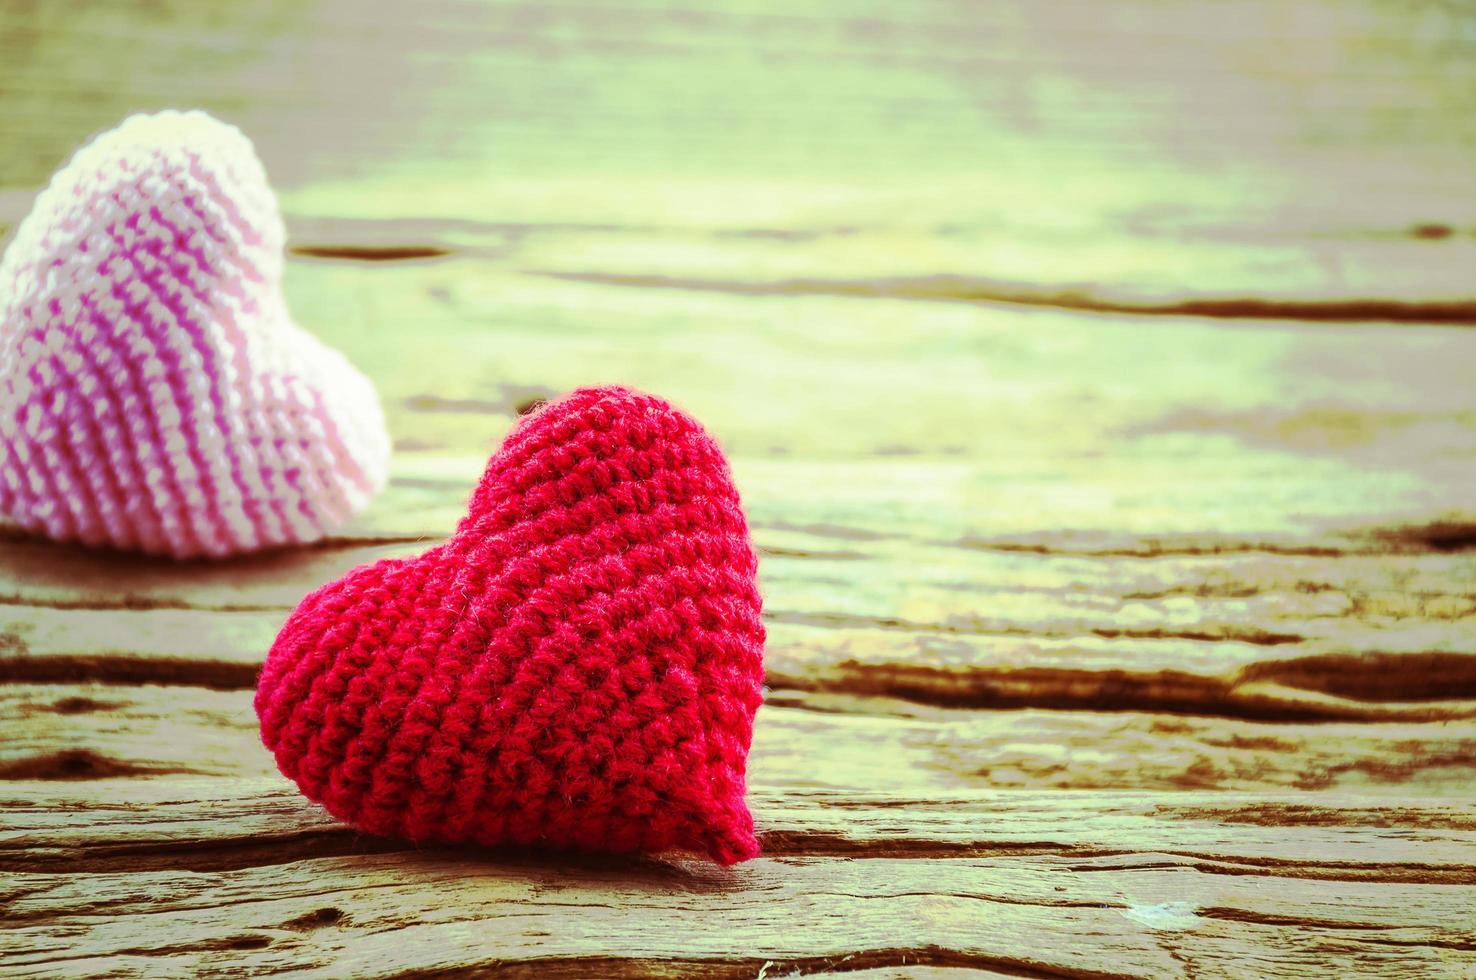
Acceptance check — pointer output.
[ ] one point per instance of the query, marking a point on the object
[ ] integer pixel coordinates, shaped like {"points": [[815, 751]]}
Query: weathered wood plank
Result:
{"points": [[1324, 578], [992, 428], [91, 731], [1035, 394], [203, 823], [1083, 884], [399, 915], [1251, 634], [1137, 152], [928, 668]]}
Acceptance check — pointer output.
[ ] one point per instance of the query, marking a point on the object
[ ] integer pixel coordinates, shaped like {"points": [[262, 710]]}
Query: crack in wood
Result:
{"points": [[371, 253], [1446, 536], [1235, 634], [1362, 684], [1373, 675], [269, 848], [80, 706], [215, 675], [319, 919], [511, 400], [224, 944], [1165, 692], [967, 289], [1311, 815], [1312, 922], [962, 625], [222, 854], [1156, 549], [764, 968], [132, 603], [79, 764]]}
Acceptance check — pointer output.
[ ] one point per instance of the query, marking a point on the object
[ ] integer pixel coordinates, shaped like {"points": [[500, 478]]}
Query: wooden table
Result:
{"points": [[1099, 381]]}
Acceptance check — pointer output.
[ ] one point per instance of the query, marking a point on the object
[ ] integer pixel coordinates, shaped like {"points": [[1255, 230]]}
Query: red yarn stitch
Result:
{"points": [[577, 666]]}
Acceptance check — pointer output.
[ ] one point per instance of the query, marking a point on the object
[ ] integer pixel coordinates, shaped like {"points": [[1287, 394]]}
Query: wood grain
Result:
{"points": [[1139, 153], [1097, 379], [1238, 660], [1066, 882], [84, 731], [1240, 599]]}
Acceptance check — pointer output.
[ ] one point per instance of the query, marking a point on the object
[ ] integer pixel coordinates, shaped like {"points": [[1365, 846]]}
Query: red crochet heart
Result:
{"points": [[578, 666]]}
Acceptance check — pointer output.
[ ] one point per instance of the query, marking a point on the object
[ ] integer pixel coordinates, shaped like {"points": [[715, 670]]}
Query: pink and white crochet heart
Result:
{"points": [[154, 392]]}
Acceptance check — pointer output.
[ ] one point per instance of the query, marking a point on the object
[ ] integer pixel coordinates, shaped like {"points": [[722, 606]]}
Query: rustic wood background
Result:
{"points": [[1099, 378]]}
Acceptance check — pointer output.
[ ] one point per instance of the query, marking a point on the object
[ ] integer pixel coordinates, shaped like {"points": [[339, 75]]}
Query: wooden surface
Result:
{"points": [[1107, 640]]}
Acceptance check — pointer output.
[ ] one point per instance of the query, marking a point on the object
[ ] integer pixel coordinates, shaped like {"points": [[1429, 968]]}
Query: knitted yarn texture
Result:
{"points": [[155, 395], [578, 666]]}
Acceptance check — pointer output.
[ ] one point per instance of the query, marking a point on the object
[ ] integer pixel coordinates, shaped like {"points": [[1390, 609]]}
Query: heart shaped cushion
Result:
{"points": [[578, 666], [154, 393]]}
